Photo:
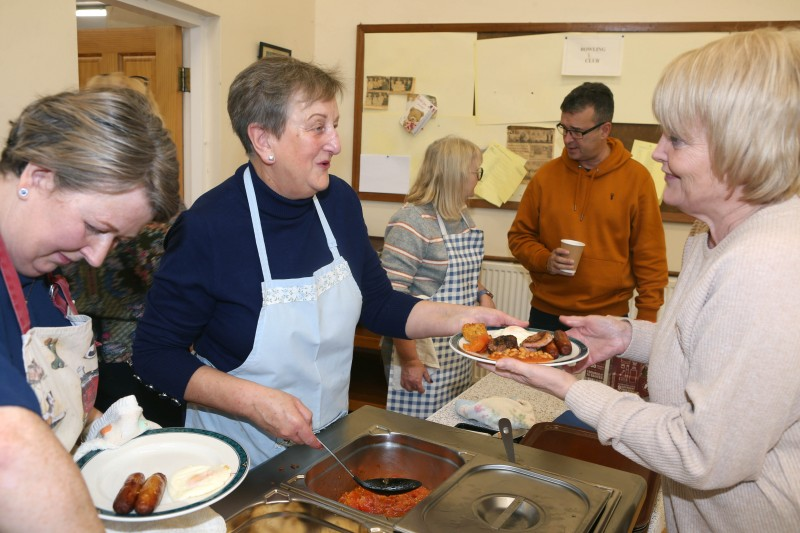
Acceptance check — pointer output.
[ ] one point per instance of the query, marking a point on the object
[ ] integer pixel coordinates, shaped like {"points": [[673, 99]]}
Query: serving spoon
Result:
{"points": [[385, 485]]}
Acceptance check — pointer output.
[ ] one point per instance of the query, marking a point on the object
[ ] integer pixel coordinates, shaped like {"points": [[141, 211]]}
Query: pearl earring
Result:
{"points": [[23, 192], [271, 158]]}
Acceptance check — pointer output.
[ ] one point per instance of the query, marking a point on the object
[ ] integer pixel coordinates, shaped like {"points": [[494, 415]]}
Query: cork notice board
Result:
{"points": [[454, 63]]}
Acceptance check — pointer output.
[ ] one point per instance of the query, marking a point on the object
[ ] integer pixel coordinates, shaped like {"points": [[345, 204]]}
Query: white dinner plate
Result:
{"points": [[167, 451], [579, 349]]}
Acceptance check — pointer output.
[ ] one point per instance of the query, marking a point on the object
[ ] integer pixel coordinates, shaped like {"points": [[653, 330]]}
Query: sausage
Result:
{"points": [[126, 497], [563, 343], [537, 341], [551, 348], [150, 495]]}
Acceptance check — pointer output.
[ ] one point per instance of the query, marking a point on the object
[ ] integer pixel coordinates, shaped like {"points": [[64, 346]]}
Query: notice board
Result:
{"points": [[484, 78]]}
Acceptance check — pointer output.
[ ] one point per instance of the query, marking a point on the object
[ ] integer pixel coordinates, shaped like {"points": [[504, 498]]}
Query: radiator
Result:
{"points": [[509, 284], [668, 290]]}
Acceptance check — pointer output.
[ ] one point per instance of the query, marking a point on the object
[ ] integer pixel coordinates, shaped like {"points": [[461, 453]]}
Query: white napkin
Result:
{"points": [[204, 520], [120, 423], [490, 410]]}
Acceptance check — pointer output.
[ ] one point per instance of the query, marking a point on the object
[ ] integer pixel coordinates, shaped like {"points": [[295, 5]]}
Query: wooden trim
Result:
{"points": [[367, 340], [358, 111]]}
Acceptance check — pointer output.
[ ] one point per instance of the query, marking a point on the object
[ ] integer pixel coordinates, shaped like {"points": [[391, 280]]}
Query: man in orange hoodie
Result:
{"points": [[598, 194]]}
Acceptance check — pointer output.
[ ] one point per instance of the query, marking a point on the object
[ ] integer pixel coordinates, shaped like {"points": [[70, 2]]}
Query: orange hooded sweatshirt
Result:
{"points": [[614, 209]]}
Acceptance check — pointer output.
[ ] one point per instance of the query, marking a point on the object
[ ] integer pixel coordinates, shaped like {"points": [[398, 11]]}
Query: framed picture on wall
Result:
{"points": [[266, 50]]}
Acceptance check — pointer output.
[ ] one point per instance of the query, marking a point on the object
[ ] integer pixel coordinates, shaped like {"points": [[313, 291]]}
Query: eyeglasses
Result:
{"points": [[576, 134], [479, 172]]}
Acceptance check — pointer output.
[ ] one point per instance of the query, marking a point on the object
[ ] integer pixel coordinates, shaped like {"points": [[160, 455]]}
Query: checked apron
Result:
{"points": [[303, 343], [453, 376]]}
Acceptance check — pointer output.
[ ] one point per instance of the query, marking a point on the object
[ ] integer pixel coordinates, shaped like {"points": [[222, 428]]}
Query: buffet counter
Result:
{"points": [[464, 471], [546, 408]]}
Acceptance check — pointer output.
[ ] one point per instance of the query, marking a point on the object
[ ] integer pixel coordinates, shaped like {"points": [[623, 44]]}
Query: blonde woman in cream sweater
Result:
{"points": [[723, 422]]}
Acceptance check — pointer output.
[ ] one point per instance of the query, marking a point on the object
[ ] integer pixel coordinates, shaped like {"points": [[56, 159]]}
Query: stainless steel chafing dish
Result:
{"points": [[473, 486]]}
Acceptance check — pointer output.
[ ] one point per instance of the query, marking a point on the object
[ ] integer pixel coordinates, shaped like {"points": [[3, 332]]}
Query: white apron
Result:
{"points": [[60, 362], [454, 372], [303, 343]]}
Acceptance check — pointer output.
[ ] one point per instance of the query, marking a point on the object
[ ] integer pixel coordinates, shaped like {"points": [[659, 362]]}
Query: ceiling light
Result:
{"points": [[94, 12]]}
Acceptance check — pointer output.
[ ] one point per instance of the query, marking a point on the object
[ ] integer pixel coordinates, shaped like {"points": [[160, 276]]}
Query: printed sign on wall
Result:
{"points": [[592, 56]]}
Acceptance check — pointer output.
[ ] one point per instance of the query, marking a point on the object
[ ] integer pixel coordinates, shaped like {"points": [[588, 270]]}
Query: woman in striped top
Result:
{"points": [[433, 250]]}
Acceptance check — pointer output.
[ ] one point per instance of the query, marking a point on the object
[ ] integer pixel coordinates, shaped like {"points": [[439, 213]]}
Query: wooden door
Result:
{"points": [[155, 53]]}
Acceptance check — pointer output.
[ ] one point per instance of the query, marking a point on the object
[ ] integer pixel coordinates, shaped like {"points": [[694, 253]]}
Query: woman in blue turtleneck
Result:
{"points": [[252, 314]]}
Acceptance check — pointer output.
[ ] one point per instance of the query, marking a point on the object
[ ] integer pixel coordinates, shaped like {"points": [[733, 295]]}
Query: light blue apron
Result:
{"points": [[460, 286], [303, 343]]}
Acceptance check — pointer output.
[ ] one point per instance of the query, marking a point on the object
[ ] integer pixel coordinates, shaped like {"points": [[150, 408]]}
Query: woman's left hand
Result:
{"points": [[413, 376], [548, 379]]}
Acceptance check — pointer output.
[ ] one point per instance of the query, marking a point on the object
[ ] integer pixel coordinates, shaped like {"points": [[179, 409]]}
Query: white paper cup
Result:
{"points": [[575, 251]]}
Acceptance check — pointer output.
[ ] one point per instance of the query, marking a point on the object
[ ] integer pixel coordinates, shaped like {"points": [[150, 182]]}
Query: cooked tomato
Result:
{"points": [[393, 506], [478, 344]]}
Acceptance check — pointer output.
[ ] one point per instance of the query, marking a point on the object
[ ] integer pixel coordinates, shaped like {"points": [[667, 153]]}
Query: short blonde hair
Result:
{"points": [[441, 176], [743, 92]]}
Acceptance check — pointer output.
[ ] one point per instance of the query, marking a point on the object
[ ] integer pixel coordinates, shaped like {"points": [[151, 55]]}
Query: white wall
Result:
{"points": [[38, 53], [336, 40], [242, 25]]}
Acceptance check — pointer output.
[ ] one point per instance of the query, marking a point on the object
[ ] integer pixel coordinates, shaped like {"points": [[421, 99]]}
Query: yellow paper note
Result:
{"points": [[503, 171], [643, 153]]}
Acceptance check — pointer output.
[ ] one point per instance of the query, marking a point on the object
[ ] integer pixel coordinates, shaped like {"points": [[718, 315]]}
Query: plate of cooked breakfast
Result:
{"points": [[163, 473], [531, 345]]}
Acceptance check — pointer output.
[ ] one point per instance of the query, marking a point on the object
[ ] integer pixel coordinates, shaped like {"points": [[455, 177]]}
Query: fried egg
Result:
{"points": [[520, 333], [197, 481]]}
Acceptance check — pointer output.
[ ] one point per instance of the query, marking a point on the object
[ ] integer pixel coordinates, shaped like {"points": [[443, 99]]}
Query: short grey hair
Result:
{"points": [[262, 93]]}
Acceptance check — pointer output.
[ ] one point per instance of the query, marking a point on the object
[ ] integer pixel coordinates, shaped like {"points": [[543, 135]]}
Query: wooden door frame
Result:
{"points": [[202, 117]]}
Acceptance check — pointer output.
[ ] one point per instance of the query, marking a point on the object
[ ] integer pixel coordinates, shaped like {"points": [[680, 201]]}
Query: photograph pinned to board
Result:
{"points": [[401, 84], [377, 83], [376, 100], [533, 143], [271, 50], [418, 112]]}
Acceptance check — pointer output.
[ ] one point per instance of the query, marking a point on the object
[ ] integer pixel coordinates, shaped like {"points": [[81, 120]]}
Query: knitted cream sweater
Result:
{"points": [[723, 422]]}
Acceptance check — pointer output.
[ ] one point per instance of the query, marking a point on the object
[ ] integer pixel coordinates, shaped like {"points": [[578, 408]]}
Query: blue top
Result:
{"points": [[14, 388], [207, 291]]}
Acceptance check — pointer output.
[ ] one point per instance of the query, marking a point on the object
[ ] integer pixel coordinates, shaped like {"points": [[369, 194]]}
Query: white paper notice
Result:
{"points": [[385, 173], [592, 56]]}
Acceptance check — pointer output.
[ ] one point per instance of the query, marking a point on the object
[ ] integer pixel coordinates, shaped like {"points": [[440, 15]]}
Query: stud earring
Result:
{"points": [[23, 192], [271, 158]]}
